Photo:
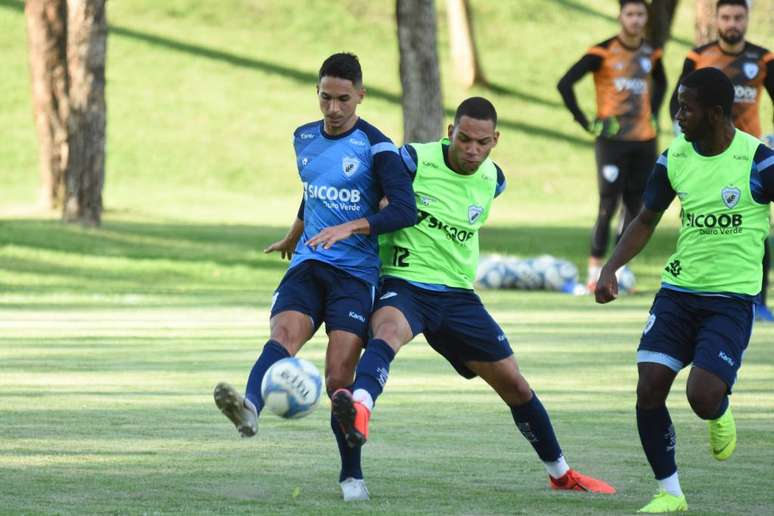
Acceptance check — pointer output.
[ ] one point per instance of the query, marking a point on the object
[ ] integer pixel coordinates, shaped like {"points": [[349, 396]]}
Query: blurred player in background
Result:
{"points": [[346, 166], [703, 314], [630, 87], [751, 69]]}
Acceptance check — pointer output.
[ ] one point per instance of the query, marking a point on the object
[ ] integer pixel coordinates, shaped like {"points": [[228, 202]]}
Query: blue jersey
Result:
{"points": [[344, 178]]}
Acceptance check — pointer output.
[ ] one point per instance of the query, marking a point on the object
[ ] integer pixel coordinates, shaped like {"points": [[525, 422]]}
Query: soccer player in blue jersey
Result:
{"points": [[346, 166], [703, 314], [428, 271]]}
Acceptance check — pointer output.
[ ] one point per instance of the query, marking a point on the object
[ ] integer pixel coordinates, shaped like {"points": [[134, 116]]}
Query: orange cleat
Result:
{"points": [[353, 417], [574, 481]]}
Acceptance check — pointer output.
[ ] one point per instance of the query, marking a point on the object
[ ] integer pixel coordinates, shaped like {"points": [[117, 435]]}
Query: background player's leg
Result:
{"points": [[609, 187], [533, 422], [654, 425], [340, 359]]}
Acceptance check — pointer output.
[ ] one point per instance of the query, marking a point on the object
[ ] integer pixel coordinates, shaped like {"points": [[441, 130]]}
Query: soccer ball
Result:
{"points": [[291, 388], [527, 278], [626, 280], [491, 272], [561, 276]]}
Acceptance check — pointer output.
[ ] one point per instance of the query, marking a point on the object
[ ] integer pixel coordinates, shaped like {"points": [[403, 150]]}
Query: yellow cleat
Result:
{"points": [[722, 432], [665, 502]]}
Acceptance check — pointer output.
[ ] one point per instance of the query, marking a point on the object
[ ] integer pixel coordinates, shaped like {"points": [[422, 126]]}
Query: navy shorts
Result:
{"points": [[326, 294], [710, 331], [455, 323]]}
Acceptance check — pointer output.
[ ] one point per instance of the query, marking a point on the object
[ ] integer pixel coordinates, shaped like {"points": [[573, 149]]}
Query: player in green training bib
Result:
{"points": [[704, 312], [427, 287]]}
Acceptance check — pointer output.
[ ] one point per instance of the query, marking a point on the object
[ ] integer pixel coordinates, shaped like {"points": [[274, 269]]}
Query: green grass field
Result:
{"points": [[113, 338]]}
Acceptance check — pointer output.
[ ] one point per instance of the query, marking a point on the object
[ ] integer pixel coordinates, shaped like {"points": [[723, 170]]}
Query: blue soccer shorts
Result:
{"points": [[326, 294], [712, 332], [455, 323]]}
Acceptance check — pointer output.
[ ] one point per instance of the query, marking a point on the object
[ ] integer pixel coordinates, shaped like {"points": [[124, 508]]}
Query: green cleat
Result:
{"points": [[665, 502], [722, 433]]}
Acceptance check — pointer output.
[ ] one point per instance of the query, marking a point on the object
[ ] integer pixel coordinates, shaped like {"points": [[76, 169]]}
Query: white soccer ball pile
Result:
{"points": [[291, 388], [626, 280], [544, 272]]}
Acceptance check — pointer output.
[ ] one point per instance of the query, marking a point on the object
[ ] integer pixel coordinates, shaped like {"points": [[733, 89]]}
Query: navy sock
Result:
{"points": [[657, 434], [534, 424], [722, 409], [272, 352], [350, 457], [374, 368]]}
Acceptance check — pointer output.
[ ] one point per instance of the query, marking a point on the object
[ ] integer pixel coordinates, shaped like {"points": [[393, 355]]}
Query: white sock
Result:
{"points": [[671, 485], [558, 468], [362, 396]]}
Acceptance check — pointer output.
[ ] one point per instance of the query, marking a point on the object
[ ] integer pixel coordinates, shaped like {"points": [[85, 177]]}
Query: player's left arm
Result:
{"points": [[763, 183], [658, 195], [501, 182], [659, 85]]}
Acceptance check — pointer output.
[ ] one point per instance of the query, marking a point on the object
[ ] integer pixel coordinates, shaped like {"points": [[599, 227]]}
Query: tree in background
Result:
{"points": [[661, 13], [420, 76], [705, 22], [67, 53], [464, 52]]}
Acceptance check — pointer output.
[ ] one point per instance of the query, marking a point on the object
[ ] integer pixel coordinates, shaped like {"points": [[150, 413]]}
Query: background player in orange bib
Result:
{"points": [[751, 69], [630, 85]]}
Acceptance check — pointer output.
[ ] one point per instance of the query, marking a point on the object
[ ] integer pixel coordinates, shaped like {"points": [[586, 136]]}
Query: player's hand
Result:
{"points": [[284, 246], [329, 236], [607, 286]]}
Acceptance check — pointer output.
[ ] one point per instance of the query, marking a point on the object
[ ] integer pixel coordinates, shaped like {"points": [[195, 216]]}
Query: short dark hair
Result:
{"points": [[343, 65], [743, 3], [713, 88], [624, 2], [478, 108]]}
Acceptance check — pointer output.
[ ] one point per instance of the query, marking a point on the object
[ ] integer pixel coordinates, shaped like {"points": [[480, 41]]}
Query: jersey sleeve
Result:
{"points": [[395, 183], [501, 182], [659, 193], [762, 178], [408, 156], [590, 62]]}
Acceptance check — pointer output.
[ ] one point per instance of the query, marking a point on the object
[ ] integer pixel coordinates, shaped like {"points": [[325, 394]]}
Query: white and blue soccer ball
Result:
{"points": [[491, 272], [626, 280], [561, 276], [291, 388], [528, 277]]}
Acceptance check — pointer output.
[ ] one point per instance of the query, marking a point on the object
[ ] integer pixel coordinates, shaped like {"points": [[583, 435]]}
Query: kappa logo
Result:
{"points": [[474, 212], [730, 195], [388, 295], [358, 142], [306, 136], [349, 165], [750, 70], [646, 64], [727, 359]]}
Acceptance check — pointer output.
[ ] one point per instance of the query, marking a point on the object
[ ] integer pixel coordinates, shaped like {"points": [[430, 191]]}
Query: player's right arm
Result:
{"points": [[659, 194], [590, 62], [287, 245]]}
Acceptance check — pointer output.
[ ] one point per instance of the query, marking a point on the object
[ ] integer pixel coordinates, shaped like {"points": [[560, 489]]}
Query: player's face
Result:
{"points": [[471, 142], [691, 115], [732, 23], [633, 18], [338, 102]]}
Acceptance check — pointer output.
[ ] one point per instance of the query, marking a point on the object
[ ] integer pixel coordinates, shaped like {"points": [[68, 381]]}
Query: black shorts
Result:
{"points": [[455, 323], [623, 167]]}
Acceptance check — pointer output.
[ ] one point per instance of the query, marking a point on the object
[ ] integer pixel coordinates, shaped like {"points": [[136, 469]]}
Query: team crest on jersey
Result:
{"points": [[349, 165], [474, 212], [750, 70], [646, 64], [731, 196]]}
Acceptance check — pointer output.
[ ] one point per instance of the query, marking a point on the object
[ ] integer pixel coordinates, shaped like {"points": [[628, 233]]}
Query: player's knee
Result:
{"points": [[517, 391], [288, 337], [704, 404]]}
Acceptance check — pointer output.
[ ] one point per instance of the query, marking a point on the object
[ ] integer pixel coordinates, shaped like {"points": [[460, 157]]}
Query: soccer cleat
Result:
{"points": [[723, 435], [353, 489], [237, 408], [575, 481], [353, 417], [762, 313], [665, 502]]}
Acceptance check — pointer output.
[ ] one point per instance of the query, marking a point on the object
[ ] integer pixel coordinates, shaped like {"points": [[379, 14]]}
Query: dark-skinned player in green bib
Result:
{"points": [[704, 312], [427, 287]]}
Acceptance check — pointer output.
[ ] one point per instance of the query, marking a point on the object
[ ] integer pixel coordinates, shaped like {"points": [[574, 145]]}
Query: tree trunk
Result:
{"points": [[705, 22], [420, 76], [86, 52], [47, 40], [463, 43], [660, 16]]}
